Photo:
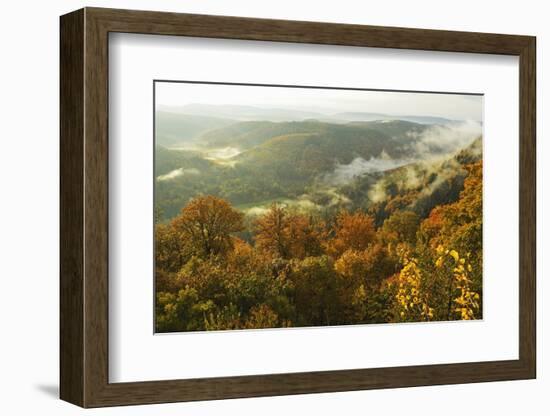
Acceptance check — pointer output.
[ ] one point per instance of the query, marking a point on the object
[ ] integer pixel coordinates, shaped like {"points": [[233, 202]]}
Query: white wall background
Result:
{"points": [[29, 159]]}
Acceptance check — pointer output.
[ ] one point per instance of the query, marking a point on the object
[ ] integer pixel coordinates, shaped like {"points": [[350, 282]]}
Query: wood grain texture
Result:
{"points": [[71, 213], [162, 23], [96, 208], [527, 208], [84, 207]]}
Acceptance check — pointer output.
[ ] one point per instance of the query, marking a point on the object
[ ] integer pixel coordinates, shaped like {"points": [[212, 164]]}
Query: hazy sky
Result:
{"points": [[327, 101]]}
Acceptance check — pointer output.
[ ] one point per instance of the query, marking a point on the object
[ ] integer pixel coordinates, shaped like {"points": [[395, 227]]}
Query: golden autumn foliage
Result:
{"points": [[459, 225], [371, 264], [416, 302], [463, 301], [208, 222], [287, 235], [351, 231], [291, 269], [412, 300], [400, 227], [272, 233]]}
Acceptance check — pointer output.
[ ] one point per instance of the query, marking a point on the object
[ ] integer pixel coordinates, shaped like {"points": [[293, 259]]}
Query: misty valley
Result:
{"points": [[275, 217], [372, 162]]}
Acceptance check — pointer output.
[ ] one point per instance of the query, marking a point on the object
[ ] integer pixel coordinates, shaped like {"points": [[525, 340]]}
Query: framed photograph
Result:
{"points": [[257, 207]]}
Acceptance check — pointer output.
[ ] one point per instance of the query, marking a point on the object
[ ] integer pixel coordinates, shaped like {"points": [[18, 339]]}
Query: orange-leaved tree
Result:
{"points": [[288, 235], [208, 222], [354, 231]]}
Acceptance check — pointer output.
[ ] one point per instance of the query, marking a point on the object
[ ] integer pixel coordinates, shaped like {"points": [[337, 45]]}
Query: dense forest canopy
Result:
{"points": [[265, 224]]}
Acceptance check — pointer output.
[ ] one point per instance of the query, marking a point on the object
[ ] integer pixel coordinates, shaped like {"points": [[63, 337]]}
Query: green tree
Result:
{"points": [[401, 227]]}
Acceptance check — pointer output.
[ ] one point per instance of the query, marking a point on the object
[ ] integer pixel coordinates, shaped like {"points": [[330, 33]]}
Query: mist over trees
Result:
{"points": [[301, 219], [391, 262]]}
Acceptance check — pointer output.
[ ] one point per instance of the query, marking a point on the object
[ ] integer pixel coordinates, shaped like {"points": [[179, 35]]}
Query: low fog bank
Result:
{"points": [[346, 173], [177, 173], [430, 145], [445, 139]]}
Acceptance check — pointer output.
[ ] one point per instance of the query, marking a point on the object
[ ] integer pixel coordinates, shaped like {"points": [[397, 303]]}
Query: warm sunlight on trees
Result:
{"points": [[286, 235], [463, 302], [272, 232], [291, 269], [208, 222], [351, 231], [401, 226]]}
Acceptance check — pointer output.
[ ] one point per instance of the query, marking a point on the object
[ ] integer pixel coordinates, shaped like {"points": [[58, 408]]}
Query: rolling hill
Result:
{"points": [[173, 129], [311, 163]]}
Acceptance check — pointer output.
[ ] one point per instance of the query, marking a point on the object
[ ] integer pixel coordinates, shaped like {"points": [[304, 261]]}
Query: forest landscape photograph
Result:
{"points": [[288, 206]]}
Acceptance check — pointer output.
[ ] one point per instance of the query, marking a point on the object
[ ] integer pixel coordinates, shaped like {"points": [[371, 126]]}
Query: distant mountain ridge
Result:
{"points": [[209, 124], [174, 129], [254, 113], [365, 116], [242, 112]]}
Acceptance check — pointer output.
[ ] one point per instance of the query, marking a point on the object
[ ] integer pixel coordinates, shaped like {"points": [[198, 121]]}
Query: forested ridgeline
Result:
{"points": [[216, 269]]}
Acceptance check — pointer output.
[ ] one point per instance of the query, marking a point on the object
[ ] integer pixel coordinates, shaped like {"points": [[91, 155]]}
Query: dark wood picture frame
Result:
{"points": [[84, 207]]}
